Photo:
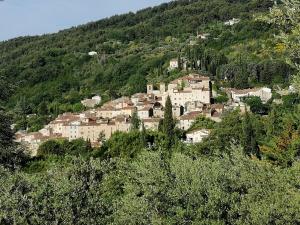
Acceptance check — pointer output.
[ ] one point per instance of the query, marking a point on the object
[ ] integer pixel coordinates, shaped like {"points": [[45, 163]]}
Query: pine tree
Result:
{"points": [[168, 123], [135, 121]]}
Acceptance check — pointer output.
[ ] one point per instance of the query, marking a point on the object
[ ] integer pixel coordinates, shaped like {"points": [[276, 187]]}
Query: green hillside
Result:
{"points": [[49, 67], [52, 73], [245, 172]]}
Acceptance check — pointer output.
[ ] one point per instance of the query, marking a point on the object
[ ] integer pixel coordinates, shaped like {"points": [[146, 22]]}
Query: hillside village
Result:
{"points": [[182, 113], [191, 97]]}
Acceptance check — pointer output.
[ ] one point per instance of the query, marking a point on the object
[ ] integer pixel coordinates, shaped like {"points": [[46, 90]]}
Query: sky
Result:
{"points": [[36, 17]]}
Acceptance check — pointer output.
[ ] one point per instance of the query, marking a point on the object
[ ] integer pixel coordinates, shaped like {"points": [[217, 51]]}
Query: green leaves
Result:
{"points": [[168, 123]]}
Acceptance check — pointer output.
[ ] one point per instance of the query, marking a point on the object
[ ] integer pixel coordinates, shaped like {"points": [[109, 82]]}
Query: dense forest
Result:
{"points": [[246, 172]]}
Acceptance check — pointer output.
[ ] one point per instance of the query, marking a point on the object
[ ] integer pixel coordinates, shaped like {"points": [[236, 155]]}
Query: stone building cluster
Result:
{"points": [[191, 96]]}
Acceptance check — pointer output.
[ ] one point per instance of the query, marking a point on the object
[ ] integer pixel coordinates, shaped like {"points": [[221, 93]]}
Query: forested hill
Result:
{"points": [[56, 68]]}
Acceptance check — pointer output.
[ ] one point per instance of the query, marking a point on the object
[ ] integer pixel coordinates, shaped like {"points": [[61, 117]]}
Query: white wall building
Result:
{"points": [[197, 136], [91, 103], [92, 53], [174, 64], [232, 22], [193, 87], [264, 93]]}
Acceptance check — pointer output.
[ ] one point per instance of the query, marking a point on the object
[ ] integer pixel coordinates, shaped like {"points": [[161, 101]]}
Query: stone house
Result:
{"points": [[146, 112], [57, 126], [197, 136], [91, 103], [265, 94], [193, 87], [158, 110], [186, 121], [151, 123]]}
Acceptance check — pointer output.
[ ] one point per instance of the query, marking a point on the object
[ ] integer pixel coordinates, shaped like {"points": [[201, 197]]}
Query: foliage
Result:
{"points": [[249, 141], [168, 123], [221, 99], [135, 121], [282, 145], [56, 147], [12, 156], [286, 17], [122, 144], [203, 123], [256, 105], [129, 180], [6, 134], [205, 190]]}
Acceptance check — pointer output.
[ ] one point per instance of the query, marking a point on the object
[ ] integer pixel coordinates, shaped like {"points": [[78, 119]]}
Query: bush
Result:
{"points": [[50, 147], [221, 99]]}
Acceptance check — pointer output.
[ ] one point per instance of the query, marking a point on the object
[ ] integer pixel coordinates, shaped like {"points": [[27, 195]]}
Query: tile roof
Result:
{"points": [[151, 120], [191, 115]]}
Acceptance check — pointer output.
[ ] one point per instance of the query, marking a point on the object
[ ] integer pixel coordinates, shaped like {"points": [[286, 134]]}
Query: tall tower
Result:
{"points": [[149, 88]]}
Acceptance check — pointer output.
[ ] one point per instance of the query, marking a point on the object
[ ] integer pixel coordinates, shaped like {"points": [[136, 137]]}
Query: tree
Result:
{"points": [[101, 137], [12, 156], [135, 121], [168, 123], [249, 140], [256, 105], [286, 18], [88, 145], [143, 135], [6, 134], [124, 145], [43, 109], [50, 147], [202, 122], [22, 109]]}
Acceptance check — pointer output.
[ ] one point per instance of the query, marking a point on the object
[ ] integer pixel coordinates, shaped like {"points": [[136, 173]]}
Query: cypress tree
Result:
{"points": [[168, 123], [143, 136], [135, 121], [249, 140], [179, 62]]}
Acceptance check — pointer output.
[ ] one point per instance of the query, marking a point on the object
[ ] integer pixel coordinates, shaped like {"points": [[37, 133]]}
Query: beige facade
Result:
{"points": [[91, 130], [265, 94], [145, 113], [197, 136], [57, 126], [190, 96], [186, 121], [151, 124], [189, 88], [90, 103]]}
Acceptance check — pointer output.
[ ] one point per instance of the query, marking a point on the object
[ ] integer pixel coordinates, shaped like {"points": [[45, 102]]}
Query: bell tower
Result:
{"points": [[149, 88]]}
